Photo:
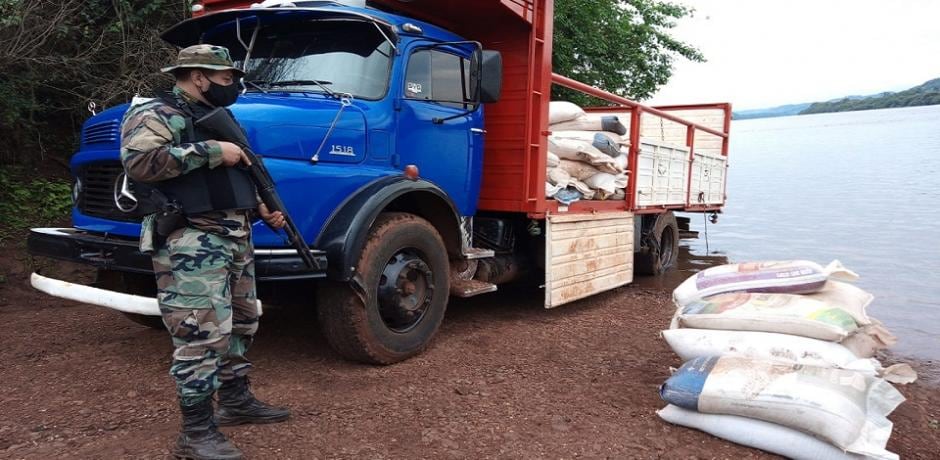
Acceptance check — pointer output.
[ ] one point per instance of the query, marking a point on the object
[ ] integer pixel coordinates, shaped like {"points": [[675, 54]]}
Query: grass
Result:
{"points": [[28, 201]]}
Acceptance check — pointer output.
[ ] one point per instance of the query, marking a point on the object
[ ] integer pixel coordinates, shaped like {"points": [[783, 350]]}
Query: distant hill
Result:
{"points": [[781, 111], [925, 94]]}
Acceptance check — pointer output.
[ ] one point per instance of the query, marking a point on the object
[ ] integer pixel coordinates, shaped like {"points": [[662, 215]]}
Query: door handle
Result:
{"points": [[477, 130]]}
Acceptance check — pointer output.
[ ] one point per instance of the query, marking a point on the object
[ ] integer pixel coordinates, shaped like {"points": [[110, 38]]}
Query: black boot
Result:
{"points": [[200, 439], [238, 406]]}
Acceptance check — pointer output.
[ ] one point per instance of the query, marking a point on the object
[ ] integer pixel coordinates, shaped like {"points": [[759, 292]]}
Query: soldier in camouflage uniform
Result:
{"points": [[205, 268]]}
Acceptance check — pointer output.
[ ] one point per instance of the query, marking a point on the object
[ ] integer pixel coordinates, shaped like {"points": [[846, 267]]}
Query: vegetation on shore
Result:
{"points": [[925, 94]]}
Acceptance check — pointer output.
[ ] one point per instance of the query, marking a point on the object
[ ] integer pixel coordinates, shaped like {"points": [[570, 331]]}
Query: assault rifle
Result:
{"points": [[220, 122]]}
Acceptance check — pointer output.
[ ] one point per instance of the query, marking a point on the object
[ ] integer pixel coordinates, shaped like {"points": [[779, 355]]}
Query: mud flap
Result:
{"points": [[586, 254]]}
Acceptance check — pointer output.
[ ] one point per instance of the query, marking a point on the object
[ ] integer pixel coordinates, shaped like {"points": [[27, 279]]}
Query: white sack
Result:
{"points": [[618, 195], [606, 142], [607, 182], [552, 160], [622, 161], [575, 150], [782, 313], [591, 122], [761, 435], [587, 192], [558, 176], [788, 276], [698, 343], [577, 169], [551, 190], [560, 111], [845, 407]]}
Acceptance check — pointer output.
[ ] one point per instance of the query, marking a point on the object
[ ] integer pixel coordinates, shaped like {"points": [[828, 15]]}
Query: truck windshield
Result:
{"points": [[320, 56]]}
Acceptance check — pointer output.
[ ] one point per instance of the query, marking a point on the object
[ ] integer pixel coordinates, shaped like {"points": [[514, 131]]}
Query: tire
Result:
{"points": [[377, 324], [132, 283], [661, 245]]}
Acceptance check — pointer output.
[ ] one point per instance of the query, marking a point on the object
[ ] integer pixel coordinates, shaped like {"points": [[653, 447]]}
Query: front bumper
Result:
{"points": [[122, 254]]}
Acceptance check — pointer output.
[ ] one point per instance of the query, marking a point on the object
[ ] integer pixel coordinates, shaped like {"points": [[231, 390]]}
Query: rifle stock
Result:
{"points": [[225, 128]]}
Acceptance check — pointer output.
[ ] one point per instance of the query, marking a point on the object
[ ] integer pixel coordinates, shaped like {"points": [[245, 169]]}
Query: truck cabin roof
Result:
{"points": [[195, 30]]}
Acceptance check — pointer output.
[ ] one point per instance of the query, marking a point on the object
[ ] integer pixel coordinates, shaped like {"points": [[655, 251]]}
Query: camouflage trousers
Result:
{"points": [[206, 292]]}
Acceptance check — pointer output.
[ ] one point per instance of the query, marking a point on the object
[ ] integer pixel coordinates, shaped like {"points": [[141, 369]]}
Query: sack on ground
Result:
{"points": [[776, 439], [789, 277], [702, 343], [560, 111], [782, 313], [608, 143], [591, 122], [845, 407]]}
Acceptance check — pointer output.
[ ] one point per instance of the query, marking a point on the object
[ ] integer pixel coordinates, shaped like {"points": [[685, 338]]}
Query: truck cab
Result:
{"points": [[408, 143]]}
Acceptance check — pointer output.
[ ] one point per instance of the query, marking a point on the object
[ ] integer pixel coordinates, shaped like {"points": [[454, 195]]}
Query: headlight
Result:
{"points": [[76, 191]]}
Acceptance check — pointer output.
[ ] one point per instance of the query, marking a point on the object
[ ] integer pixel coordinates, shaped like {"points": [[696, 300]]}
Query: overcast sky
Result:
{"points": [[763, 53]]}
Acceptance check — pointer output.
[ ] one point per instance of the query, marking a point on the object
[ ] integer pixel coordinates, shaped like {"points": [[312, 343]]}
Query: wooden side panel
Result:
{"points": [[586, 254]]}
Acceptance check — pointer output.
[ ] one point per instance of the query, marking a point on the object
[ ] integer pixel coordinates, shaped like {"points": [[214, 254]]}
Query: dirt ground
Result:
{"points": [[504, 379]]}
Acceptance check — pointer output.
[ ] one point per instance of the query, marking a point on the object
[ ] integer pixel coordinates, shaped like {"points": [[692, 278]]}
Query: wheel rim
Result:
{"points": [[666, 247], [405, 291]]}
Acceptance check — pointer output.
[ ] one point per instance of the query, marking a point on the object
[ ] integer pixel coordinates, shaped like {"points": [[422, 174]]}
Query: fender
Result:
{"points": [[345, 233]]}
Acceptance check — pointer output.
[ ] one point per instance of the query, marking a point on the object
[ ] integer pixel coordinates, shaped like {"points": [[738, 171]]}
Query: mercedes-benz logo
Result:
{"points": [[124, 197]]}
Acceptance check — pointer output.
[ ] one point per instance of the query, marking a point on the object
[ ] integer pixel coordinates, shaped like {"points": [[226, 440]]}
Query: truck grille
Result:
{"points": [[105, 132], [97, 195]]}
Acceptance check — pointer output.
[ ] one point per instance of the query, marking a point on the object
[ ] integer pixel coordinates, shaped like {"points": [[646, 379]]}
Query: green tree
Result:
{"points": [[622, 46]]}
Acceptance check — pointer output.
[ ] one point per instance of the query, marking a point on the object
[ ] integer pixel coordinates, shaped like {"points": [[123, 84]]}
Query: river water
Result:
{"points": [[861, 187]]}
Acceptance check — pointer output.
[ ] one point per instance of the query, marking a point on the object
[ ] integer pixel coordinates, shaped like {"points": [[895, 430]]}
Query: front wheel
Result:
{"points": [[398, 298]]}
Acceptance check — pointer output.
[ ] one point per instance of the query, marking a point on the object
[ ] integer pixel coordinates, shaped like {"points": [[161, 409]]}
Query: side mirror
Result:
{"points": [[490, 78]]}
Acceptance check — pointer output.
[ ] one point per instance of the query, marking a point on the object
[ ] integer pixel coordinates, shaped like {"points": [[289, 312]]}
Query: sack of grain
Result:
{"points": [[561, 111], [618, 195], [622, 161], [552, 160], [702, 343], [608, 143], [790, 277], [552, 190], [845, 407], [575, 150], [607, 182], [590, 122], [558, 176], [586, 192], [567, 196], [577, 169], [782, 313], [776, 439]]}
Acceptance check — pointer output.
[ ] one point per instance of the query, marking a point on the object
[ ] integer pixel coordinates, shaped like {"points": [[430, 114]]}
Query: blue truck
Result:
{"points": [[408, 140]]}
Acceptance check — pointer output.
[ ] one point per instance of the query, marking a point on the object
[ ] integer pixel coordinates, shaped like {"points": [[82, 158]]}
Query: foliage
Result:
{"points": [[57, 55], [926, 94], [622, 46], [29, 201]]}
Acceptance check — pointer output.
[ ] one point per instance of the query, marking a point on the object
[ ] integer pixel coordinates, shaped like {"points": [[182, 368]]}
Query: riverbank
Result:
{"points": [[505, 378]]}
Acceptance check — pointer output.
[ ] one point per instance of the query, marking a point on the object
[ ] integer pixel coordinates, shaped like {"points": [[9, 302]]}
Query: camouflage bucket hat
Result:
{"points": [[204, 57]]}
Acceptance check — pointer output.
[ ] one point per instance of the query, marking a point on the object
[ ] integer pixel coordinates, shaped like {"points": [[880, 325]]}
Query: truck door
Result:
{"points": [[448, 153]]}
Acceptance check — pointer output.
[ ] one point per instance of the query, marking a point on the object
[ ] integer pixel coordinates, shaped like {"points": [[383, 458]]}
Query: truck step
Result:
{"points": [[478, 253], [470, 288]]}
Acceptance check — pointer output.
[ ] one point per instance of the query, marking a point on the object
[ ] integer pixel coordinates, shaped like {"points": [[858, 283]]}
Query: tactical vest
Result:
{"points": [[203, 189]]}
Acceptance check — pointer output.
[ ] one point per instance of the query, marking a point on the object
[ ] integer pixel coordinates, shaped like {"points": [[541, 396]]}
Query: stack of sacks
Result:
{"points": [[587, 155], [779, 356]]}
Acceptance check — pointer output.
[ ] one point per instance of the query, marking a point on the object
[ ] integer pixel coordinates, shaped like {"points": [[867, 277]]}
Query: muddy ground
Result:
{"points": [[504, 379]]}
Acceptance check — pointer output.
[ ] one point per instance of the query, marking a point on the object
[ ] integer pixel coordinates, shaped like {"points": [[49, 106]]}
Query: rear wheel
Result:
{"points": [[131, 283], [661, 245], [400, 293]]}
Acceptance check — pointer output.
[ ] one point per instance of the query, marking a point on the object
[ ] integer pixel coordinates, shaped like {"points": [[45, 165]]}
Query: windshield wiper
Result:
{"points": [[320, 83]]}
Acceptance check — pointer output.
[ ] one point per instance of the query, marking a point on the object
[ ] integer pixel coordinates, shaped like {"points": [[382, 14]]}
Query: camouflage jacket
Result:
{"points": [[151, 151]]}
